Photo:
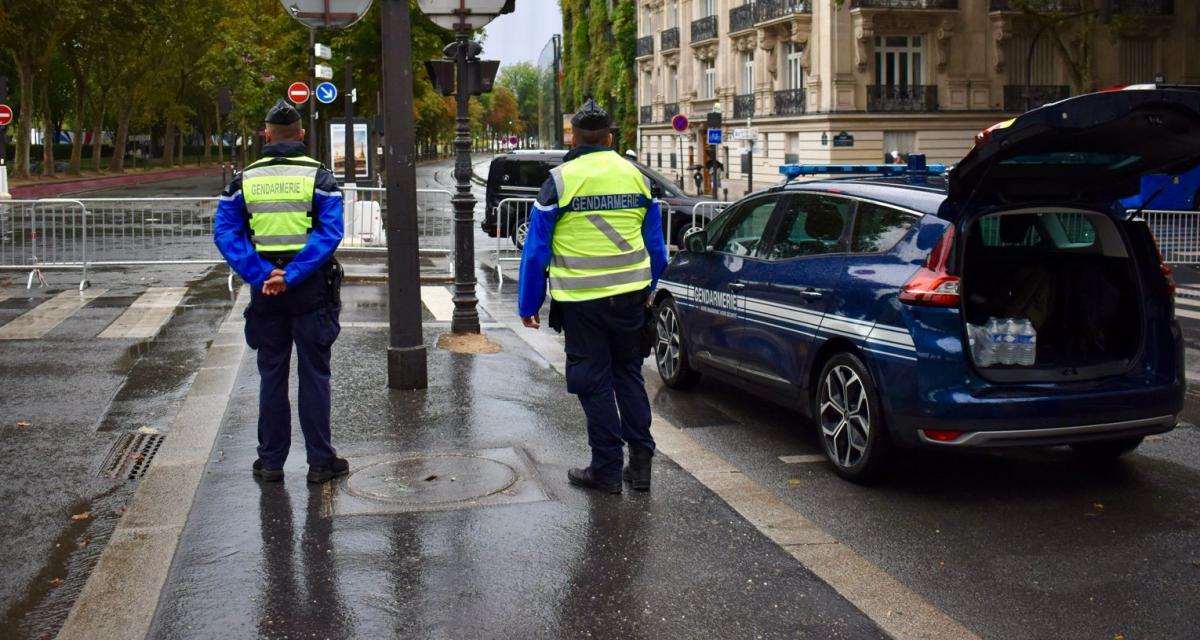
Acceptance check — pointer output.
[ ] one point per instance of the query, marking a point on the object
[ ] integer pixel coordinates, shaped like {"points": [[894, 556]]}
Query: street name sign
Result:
{"points": [[680, 123], [6, 115], [326, 92], [714, 136], [323, 72], [298, 93], [744, 134], [322, 52]]}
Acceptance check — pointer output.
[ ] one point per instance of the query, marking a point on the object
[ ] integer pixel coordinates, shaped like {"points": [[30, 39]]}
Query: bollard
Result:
{"points": [[4, 194], [725, 198]]}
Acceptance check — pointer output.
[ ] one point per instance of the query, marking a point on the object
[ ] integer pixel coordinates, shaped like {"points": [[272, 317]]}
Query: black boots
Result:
{"points": [[585, 478], [267, 475], [335, 469], [637, 473]]}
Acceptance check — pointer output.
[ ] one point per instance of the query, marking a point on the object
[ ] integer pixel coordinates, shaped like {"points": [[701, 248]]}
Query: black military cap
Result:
{"points": [[282, 113], [591, 117]]}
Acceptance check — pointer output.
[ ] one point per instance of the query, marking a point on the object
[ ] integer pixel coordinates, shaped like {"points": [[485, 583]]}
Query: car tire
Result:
{"points": [[1106, 450], [670, 348], [854, 438], [519, 234]]}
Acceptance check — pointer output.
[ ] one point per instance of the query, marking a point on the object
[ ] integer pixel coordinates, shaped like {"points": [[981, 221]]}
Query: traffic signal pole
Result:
{"points": [[407, 358]]}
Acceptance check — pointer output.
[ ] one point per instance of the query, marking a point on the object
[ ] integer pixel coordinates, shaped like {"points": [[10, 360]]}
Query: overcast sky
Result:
{"points": [[521, 35]]}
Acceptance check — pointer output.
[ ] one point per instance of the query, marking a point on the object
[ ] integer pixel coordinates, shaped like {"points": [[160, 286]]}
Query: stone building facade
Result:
{"points": [[816, 82]]}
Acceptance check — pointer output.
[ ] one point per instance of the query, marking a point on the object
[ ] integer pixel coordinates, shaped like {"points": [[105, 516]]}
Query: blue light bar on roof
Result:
{"points": [[916, 166]]}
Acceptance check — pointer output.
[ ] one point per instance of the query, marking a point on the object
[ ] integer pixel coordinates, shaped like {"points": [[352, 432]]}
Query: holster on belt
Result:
{"points": [[334, 274], [555, 320]]}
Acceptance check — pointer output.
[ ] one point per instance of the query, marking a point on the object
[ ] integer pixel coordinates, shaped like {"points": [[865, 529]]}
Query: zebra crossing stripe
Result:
{"points": [[42, 319], [439, 302], [147, 315]]}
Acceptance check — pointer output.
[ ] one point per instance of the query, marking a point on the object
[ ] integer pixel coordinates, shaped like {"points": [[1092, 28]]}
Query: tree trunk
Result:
{"points": [[169, 145], [77, 137], [98, 136], [207, 145], [182, 146], [118, 159], [47, 130], [25, 120]]}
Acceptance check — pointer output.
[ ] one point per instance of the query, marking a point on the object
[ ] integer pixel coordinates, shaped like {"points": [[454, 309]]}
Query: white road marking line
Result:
{"points": [[4, 295], [804, 459], [42, 319], [1184, 313], [147, 315], [439, 302], [1190, 302]]}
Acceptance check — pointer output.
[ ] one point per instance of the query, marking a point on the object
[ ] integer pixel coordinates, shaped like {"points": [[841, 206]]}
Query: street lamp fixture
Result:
{"points": [[472, 76]]}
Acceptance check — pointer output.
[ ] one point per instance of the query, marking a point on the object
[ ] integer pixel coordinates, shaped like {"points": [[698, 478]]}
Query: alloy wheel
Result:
{"points": [[845, 416], [522, 234], [667, 351]]}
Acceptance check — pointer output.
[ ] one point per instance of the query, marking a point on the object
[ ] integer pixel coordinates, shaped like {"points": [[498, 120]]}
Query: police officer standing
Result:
{"points": [[278, 225], [597, 234]]}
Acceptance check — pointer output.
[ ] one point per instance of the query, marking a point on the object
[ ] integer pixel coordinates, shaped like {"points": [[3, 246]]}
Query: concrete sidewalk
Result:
{"points": [[458, 522]]}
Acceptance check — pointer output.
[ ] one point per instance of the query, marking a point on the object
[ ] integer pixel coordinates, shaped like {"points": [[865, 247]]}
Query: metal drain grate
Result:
{"points": [[131, 455]]}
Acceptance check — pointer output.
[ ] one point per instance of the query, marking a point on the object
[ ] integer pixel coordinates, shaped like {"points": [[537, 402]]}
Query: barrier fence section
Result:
{"points": [[702, 214], [44, 234], [1177, 234], [366, 221], [512, 218]]}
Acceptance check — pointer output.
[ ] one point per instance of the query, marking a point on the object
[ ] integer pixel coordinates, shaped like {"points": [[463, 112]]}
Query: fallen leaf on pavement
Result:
{"points": [[56, 582], [24, 424], [82, 516], [1098, 506], [793, 482], [85, 542]]}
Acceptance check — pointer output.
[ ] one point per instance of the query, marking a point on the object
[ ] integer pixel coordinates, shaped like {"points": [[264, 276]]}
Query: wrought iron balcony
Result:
{"points": [[913, 97], [704, 29], [645, 46], [790, 102], [1144, 7], [669, 39], [670, 110], [743, 105], [1023, 98], [741, 18], [765, 10], [904, 4], [1061, 6], [645, 114]]}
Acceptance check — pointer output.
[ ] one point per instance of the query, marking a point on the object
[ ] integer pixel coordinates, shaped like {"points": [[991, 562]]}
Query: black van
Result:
{"points": [[520, 174]]}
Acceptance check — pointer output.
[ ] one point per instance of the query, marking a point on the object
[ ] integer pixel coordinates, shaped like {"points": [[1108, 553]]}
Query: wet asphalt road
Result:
{"points": [[1016, 544]]}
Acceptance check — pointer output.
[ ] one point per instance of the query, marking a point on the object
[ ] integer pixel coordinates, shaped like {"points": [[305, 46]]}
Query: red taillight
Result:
{"points": [[941, 436], [1170, 277], [931, 285]]}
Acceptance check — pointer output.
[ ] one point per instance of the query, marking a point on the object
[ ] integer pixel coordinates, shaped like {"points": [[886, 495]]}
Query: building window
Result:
{"points": [[1043, 64], [748, 71], [672, 14], [709, 88], [1137, 61], [646, 30], [648, 88], [672, 84], [706, 8], [794, 73], [898, 61]]}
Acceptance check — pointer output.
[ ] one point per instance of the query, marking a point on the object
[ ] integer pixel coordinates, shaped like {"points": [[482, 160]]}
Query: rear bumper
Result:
{"points": [[1057, 435]]}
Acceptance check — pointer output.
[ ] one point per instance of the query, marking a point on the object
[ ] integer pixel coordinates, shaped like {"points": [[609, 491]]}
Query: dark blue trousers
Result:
{"points": [[604, 368], [307, 317]]}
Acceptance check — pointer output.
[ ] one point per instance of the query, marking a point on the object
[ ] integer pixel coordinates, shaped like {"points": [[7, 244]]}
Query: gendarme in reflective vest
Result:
{"points": [[279, 198], [597, 250]]}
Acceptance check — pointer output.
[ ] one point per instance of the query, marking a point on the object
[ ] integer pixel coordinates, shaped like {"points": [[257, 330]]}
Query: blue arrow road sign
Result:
{"points": [[714, 135], [326, 92]]}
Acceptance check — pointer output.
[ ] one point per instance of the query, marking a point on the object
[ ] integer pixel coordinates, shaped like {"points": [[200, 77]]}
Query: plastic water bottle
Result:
{"points": [[981, 345], [1008, 351], [995, 328], [1028, 342]]}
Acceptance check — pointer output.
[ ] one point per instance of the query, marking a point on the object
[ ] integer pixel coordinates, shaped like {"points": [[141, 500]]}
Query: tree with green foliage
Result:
{"points": [[599, 49], [522, 80]]}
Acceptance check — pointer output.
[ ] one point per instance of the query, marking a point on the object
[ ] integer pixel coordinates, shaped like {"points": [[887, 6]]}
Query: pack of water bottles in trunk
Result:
{"points": [[1008, 341]]}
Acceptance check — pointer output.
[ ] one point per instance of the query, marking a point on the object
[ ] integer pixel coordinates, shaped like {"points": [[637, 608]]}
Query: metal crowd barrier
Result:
{"points": [[1177, 234], [701, 214], [44, 234], [512, 215], [366, 221]]}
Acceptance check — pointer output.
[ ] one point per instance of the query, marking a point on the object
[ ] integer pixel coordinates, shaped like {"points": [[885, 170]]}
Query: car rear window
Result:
{"points": [[525, 174], [878, 228]]}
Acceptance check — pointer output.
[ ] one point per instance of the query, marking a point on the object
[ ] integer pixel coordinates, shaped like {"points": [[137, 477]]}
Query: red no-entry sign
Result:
{"points": [[298, 93], [6, 114]]}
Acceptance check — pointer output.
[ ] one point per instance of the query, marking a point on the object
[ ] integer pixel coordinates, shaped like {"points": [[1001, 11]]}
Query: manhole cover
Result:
{"points": [[435, 479]]}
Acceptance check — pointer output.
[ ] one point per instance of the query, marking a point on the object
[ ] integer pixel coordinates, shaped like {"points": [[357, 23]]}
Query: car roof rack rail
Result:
{"points": [[916, 169]]}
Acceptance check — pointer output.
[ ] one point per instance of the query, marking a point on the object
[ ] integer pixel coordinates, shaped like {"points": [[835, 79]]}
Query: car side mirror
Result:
{"points": [[696, 241], [656, 190]]}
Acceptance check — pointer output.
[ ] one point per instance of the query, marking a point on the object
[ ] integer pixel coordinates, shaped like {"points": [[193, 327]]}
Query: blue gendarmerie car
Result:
{"points": [[878, 305]]}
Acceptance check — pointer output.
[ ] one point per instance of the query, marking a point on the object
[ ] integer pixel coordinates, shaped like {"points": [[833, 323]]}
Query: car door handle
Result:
{"points": [[737, 286], [811, 294]]}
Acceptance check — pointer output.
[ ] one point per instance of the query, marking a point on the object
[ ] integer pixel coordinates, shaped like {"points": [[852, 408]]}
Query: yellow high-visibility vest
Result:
{"points": [[279, 199], [597, 250]]}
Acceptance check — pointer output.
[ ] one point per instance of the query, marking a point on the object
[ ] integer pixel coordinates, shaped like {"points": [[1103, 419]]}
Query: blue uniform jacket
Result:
{"points": [[535, 257], [231, 228]]}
